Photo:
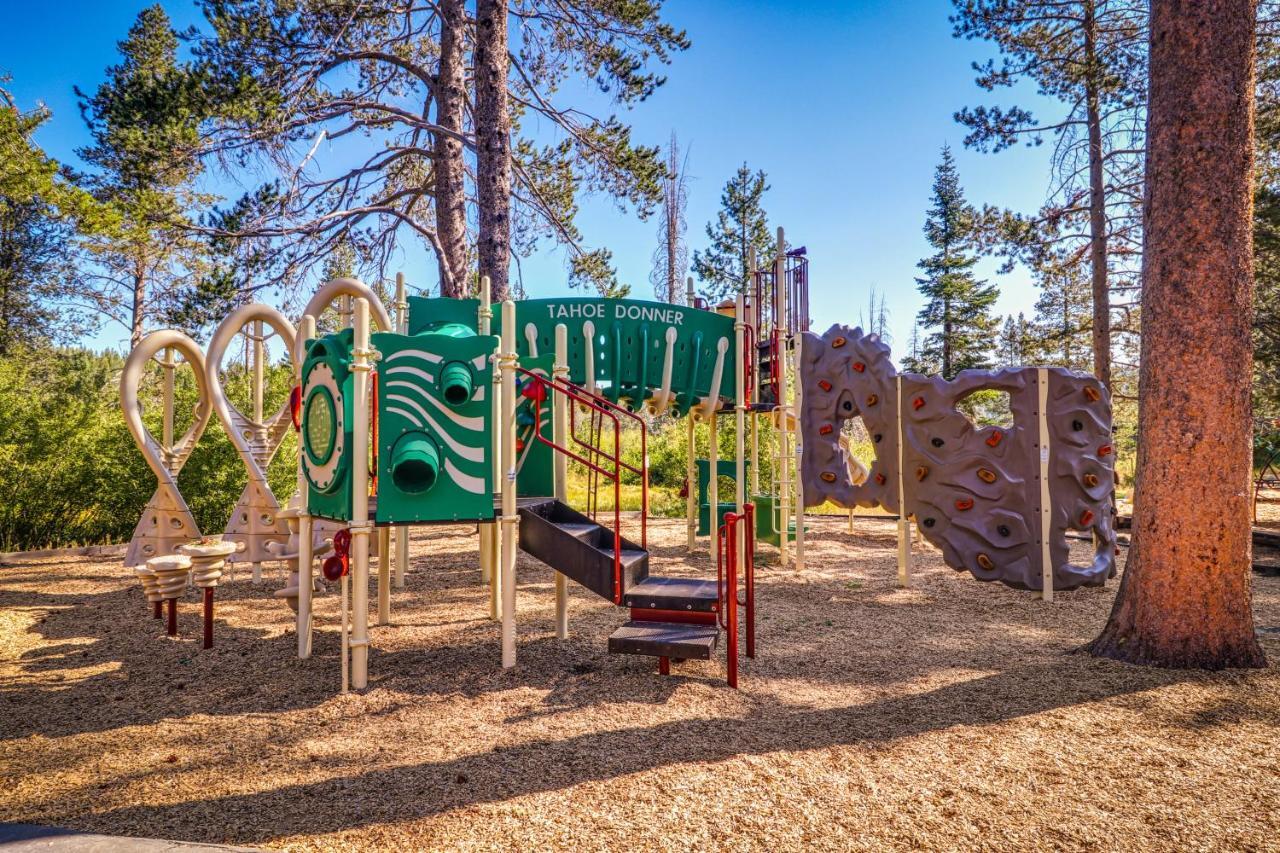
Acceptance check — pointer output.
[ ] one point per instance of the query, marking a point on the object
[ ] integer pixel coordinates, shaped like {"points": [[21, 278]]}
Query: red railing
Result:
{"points": [[596, 455], [727, 585], [597, 422]]}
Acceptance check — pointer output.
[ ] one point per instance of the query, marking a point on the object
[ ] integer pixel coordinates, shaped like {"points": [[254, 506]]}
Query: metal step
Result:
{"points": [[665, 640], [578, 548], [663, 593]]}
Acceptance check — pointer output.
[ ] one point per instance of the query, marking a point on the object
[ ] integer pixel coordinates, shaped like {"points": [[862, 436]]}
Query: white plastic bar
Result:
{"points": [[361, 365], [1046, 506], [402, 531], [904, 525], [509, 518], [306, 331], [560, 435]]}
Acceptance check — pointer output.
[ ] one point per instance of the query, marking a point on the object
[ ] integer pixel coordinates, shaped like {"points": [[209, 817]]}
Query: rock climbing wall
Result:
{"points": [[974, 491]]}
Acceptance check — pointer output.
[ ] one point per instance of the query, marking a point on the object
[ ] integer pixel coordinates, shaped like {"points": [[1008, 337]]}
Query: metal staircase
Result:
{"points": [[672, 618]]}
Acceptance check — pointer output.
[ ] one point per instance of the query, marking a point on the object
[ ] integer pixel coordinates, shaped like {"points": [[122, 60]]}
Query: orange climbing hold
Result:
{"points": [[964, 504], [1092, 393], [825, 429], [838, 342], [1086, 518], [1104, 450], [917, 403], [994, 438], [824, 385], [880, 479], [872, 399], [986, 475], [1090, 480], [922, 472], [985, 562], [859, 366], [827, 477]]}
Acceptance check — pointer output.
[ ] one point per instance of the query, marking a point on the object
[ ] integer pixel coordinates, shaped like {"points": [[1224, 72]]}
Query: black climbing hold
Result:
{"points": [[1077, 426], [876, 438], [937, 442], [1003, 530], [930, 522], [848, 406]]}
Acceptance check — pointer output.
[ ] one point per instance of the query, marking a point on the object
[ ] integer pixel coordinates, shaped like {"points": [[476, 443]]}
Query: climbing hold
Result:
{"points": [[1092, 393], [1077, 426], [1086, 518], [1090, 480], [986, 475], [876, 438], [838, 342], [964, 504], [917, 403], [825, 429], [824, 385], [859, 366], [880, 481], [827, 477], [936, 442], [930, 522], [922, 472], [1104, 450], [985, 562], [994, 438], [872, 399], [848, 405], [1003, 530]]}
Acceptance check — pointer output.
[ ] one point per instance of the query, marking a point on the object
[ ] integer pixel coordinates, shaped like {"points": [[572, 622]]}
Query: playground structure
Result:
{"points": [[435, 419]]}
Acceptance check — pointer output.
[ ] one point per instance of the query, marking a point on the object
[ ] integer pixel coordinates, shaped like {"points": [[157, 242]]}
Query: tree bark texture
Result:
{"points": [[1185, 597], [493, 145], [450, 187], [1097, 210]]}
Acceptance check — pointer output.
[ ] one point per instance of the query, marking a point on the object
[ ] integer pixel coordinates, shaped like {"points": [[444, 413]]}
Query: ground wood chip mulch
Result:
{"points": [[948, 715]]}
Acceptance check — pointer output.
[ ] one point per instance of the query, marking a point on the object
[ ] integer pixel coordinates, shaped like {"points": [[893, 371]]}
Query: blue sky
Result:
{"points": [[844, 104]]}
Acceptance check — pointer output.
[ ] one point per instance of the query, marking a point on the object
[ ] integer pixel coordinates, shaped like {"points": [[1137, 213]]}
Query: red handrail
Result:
{"points": [[727, 584], [642, 472], [601, 409]]}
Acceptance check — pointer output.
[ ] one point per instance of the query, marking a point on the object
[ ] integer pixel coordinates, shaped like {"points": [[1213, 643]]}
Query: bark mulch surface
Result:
{"points": [[949, 715]]}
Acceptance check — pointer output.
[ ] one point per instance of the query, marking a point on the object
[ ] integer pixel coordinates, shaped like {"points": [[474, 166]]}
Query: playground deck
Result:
{"points": [[948, 715]]}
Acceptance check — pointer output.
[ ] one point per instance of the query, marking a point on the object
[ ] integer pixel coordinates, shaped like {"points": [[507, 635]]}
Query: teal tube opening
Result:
{"points": [[455, 383], [415, 463]]}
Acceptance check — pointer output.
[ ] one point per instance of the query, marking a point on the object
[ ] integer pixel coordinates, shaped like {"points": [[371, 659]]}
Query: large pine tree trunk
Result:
{"points": [[450, 189], [1185, 600], [1097, 209], [493, 144]]}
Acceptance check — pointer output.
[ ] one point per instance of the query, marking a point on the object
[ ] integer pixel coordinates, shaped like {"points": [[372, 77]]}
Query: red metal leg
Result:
{"points": [[664, 666], [208, 617], [173, 617], [159, 614]]}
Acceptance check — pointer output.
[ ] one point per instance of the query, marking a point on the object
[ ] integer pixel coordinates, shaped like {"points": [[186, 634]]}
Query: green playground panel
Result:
{"points": [[630, 344], [767, 522], [429, 314], [725, 468], [435, 426], [326, 424]]}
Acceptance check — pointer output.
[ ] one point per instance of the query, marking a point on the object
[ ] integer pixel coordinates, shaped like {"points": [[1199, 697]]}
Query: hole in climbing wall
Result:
{"points": [[987, 407]]}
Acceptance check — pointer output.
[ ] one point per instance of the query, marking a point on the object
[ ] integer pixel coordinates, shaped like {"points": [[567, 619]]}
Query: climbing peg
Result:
{"points": [[994, 439], [827, 477], [859, 366], [985, 562], [1086, 518], [964, 504], [986, 475], [872, 399], [824, 385], [922, 472], [917, 403], [1104, 450], [1092, 393], [825, 429], [880, 480], [1090, 480], [838, 342]]}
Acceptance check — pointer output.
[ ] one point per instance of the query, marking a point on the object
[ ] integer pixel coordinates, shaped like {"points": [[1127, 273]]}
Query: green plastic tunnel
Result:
{"points": [[455, 383], [415, 463]]}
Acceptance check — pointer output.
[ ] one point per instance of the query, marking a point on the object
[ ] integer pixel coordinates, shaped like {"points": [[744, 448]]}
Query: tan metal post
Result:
{"points": [[560, 435], [494, 529], [402, 531], [306, 331], [740, 432], [799, 482], [361, 365], [509, 518], [784, 432], [1046, 507], [713, 484], [691, 477]]}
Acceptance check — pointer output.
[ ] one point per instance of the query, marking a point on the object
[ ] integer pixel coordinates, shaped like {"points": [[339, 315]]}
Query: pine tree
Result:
{"points": [[957, 305], [1017, 343], [1090, 55], [1185, 599], [739, 234], [144, 122], [1064, 315]]}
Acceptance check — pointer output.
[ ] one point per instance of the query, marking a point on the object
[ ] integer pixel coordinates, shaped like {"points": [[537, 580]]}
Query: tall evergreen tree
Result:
{"points": [[144, 122], [739, 234], [40, 212], [1017, 344], [1064, 314], [1090, 55], [1185, 599], [958, 306]]}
